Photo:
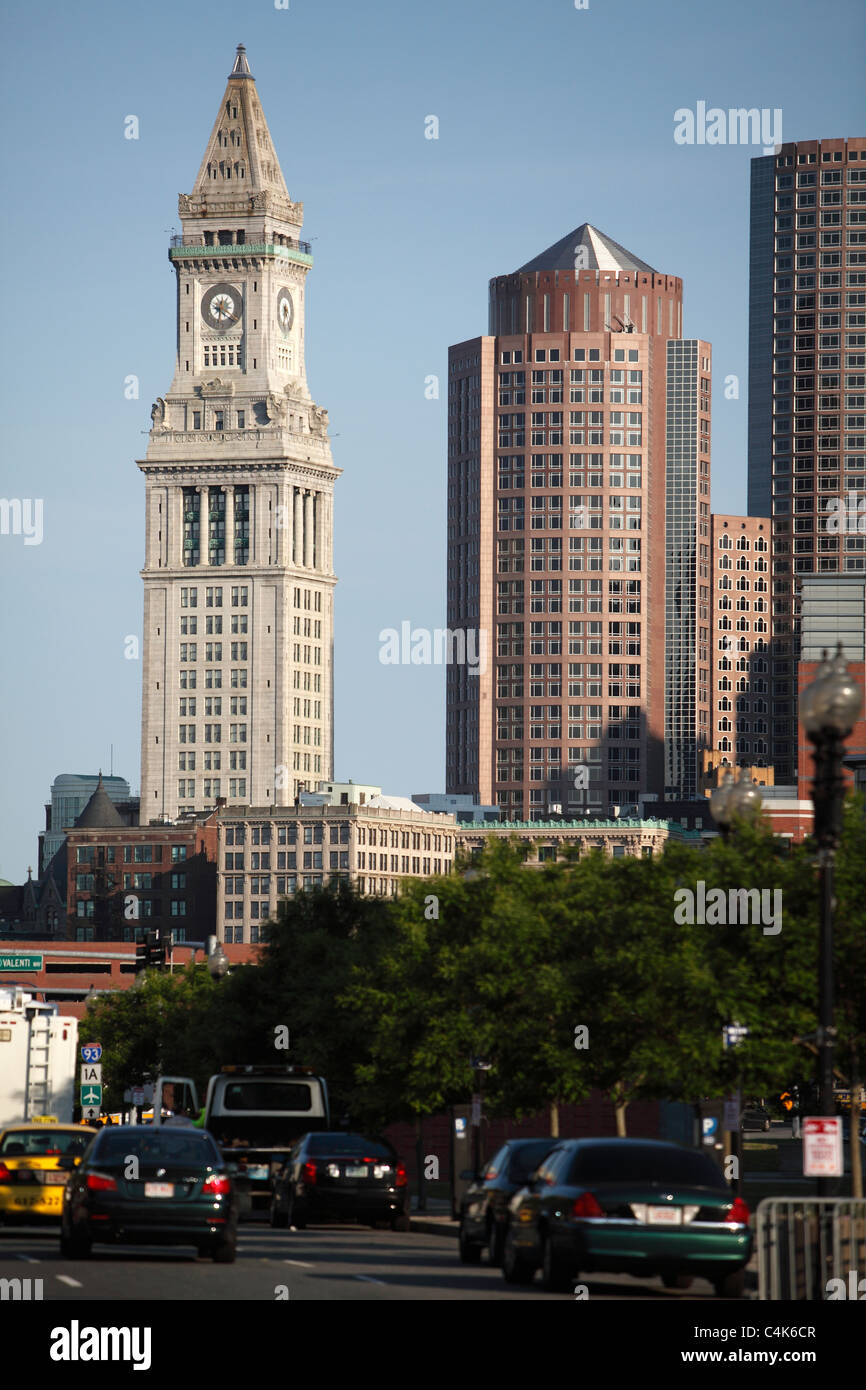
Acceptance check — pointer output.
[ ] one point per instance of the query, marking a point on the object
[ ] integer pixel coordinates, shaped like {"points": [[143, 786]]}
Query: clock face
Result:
{"points": [[221, 306], [285, 311]]}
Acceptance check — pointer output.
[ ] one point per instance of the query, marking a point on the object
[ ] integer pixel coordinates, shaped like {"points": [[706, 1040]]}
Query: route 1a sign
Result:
{"points": [[822, 1146], [91, 1073]]}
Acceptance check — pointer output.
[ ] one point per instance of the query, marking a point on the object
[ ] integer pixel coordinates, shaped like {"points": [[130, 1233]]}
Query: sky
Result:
{"points": [[548, 116]]}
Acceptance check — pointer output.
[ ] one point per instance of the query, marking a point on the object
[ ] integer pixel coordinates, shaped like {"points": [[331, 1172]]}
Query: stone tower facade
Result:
{"points": [[237, 697]]}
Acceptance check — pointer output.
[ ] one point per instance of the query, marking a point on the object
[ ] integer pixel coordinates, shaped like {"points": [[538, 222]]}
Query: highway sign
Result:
{"points": [[822, 1146], [138, 1095], [10, 962], [91, 1073], [90, 1112], [91, 1095], [91, 1052]]}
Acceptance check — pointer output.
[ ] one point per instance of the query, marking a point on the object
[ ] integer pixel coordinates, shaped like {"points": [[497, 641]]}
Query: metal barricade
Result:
{"points": [[804, 1242]]}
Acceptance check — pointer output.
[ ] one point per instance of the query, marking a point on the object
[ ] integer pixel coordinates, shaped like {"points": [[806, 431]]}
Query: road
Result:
{"points": [[335, 1263]]}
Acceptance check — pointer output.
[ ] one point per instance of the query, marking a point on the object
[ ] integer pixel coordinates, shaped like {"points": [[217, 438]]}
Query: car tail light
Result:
{"points": [[739, 1213], [308, 1173], [401, 1178], [586, 1205], [217, 1185], [6, 1174], [100, 1182]]}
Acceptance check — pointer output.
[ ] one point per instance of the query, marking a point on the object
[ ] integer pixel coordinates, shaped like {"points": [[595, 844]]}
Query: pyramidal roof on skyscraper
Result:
{"points": [[602, 253], [241, 141]]}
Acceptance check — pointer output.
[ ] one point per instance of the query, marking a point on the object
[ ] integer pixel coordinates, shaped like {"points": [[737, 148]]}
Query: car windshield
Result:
{"points": [[176, 1146], [48, 1143], [347, 1144], [645, 1163], [527, 1158]]}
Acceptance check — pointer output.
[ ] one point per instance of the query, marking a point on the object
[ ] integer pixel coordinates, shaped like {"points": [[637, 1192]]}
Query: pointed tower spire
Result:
{"points": [[241, 67], [240, 170]]}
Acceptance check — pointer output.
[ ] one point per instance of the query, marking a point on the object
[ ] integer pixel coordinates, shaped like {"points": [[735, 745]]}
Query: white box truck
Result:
{"points": [[38, 1059]]}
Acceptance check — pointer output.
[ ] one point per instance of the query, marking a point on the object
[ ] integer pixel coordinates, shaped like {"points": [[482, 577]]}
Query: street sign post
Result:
{"points": [[822, 1146], [10, 963], [732, 1033]]}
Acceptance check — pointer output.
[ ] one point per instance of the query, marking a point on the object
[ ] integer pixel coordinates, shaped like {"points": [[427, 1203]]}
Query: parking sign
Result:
{"points": [[822, 1146]]}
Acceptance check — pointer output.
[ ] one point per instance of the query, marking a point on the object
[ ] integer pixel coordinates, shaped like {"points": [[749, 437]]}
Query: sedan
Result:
{"points": [[157, 1186], [349, 1176], [484, 1204], [35, 1163], [755, 1117], [628, 1206]]}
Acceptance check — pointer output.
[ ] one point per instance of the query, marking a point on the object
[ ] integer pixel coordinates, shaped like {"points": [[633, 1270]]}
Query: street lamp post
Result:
{"points": [[731, 801], [829, 708], [217, 962]]}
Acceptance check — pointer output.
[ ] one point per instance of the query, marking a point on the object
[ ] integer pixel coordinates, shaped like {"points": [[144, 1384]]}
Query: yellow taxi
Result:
{"points": [[35, 1162]]}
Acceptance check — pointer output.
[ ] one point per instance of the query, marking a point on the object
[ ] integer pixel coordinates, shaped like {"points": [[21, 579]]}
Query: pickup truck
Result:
{"points": [[255, 1114]]}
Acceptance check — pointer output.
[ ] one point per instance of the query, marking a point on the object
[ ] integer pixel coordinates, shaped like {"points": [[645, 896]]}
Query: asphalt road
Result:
{"points": [[336, 1263]]}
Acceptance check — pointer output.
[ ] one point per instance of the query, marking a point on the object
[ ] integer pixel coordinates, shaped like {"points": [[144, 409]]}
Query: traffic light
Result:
{"points": [[150, 952]]}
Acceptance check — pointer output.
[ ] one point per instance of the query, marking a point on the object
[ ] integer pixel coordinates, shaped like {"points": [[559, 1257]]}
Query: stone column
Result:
{"points": [[308, 530], [298, 506], [173, 539], [230, 524], [320, 529]]}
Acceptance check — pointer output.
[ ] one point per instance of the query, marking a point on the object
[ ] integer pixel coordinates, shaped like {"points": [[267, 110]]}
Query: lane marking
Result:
{"points": [[28, 1259], [366, 1279], [67, 1279], [302, 1264]]}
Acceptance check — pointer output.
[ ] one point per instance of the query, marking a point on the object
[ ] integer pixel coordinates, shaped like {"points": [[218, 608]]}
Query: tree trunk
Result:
{"points": [[554, 1119], [620, 1107]]}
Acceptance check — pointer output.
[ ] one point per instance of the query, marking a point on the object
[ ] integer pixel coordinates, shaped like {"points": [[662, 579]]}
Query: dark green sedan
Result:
{"points": [[628, 1206], [150, 1184]]}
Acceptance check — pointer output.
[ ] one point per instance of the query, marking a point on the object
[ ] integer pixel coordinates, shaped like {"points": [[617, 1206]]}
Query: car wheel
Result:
{"points": [[470, 1254], [731, 1285], [294, 1219], [279, 1219], [494, 1244], [514, 1269], [556, 1276], [75, 1247], [677, 1281], [225, 1253]]}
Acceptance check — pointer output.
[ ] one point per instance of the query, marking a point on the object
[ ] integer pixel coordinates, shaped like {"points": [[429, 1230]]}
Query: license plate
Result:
{"points": [[159, 1189], [258, 1172], [664, 1216], [356, 1172], [55, 1179]]}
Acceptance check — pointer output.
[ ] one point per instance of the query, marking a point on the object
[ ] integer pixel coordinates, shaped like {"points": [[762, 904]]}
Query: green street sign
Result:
{"points": [[12, 964], [91, 1095]]}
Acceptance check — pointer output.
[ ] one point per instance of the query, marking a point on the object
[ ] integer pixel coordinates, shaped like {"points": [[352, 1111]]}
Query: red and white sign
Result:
{"points": [[822, 1147]]}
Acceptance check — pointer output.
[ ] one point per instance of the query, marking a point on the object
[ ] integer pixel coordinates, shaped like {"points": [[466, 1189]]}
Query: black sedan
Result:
{"points": [[348, 1176], [484, 1205], [141, 1184], [628, 1206], [755, 1117]]}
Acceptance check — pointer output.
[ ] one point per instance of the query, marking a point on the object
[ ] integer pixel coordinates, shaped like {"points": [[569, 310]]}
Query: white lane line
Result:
{"points": [[366, 1279], [28, 1259], [67, 1279], [302, 1264]]}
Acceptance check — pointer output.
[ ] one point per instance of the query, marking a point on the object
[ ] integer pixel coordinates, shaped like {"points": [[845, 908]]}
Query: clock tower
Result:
{"points": [[238, 577]]}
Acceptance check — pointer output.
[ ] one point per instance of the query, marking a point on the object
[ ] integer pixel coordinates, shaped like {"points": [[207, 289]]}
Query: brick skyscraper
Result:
{"points": [[807, 382], [563, 425]]}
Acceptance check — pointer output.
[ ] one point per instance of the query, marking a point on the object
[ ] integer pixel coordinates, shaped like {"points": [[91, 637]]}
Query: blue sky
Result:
{"points": [[549, 116]]}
